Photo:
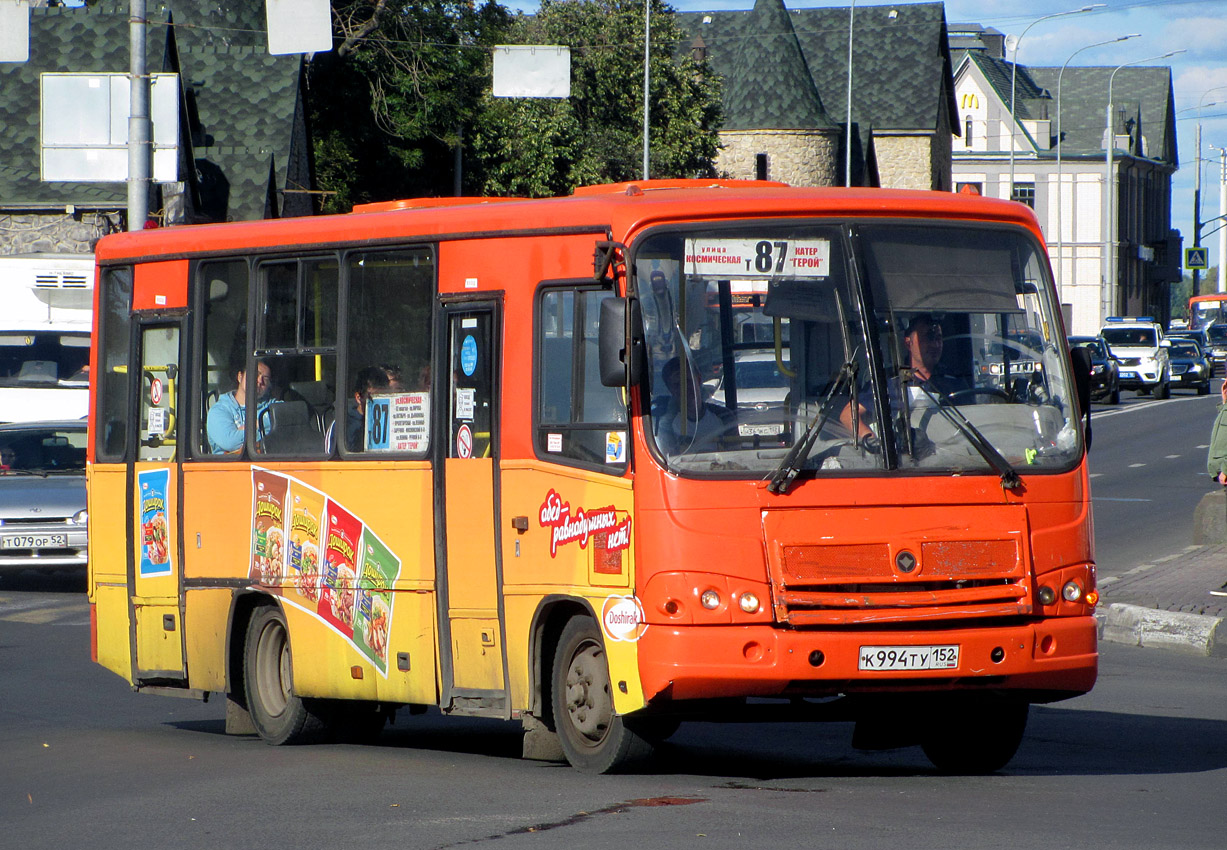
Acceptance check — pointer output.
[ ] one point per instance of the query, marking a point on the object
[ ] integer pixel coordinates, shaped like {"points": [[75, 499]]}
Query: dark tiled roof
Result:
{"points": [[769, 78], [243, 97], [900, 67], [1143, 93]]}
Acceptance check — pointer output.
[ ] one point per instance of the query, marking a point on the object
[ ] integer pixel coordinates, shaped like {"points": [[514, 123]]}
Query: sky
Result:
{"points": [[1199, 75]]}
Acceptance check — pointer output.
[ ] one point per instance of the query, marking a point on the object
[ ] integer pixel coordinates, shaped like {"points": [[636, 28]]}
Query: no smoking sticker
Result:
{"points": [[464, 442]]}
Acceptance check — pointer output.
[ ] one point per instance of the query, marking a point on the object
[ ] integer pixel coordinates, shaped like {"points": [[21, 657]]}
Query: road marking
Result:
{"points": [[41, 610], [1095, 475], [1131, 408], [1171, 457], [1136, 465], [1111, 499]]}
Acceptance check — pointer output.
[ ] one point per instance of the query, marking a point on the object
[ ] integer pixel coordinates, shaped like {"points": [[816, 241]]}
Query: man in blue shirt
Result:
{"points": [[227, 416]]}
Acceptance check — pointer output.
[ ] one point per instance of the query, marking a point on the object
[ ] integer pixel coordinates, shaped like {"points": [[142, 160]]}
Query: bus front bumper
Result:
{"points": [[1053, 658]]}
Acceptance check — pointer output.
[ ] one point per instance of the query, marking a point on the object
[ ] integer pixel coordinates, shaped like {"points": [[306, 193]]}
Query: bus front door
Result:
{"points": [[472, 637], [155, 559]]}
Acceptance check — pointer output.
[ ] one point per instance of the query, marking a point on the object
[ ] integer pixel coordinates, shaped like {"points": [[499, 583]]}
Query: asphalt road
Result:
{"points": [[1148, 472]]}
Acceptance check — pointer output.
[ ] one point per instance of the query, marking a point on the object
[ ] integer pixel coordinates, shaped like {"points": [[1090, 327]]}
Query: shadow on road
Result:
{"points": [[44, 580]]}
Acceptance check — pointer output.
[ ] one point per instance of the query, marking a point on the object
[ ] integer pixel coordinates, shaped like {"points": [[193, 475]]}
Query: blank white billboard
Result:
{"points": [[541, 70], [14, 31], [84, 127], [298, 26]]}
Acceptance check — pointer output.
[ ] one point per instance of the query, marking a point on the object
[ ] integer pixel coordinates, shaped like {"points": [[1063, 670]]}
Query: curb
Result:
{"points": [[1151, 627]]}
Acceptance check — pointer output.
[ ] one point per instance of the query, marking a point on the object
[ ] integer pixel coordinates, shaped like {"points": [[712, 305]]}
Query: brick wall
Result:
{"points": [[56, 233], [796, 157]]}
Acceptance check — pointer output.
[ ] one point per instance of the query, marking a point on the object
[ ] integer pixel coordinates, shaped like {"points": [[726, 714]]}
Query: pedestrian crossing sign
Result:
{"points": [[1196, 258]]}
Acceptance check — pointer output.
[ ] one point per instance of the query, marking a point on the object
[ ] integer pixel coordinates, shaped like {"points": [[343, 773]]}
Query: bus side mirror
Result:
{"points": [[1081, 361], [620, 342]]}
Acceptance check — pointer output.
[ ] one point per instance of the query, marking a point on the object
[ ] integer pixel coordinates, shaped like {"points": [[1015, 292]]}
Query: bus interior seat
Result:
{"points": [[290, 428], [37, 371], [317, 395]]}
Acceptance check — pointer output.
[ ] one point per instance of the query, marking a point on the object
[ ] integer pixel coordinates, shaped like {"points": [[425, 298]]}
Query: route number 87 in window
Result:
{"points": [[714, 257]]}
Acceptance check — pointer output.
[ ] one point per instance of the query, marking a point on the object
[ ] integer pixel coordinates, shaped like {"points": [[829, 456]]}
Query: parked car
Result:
{"points": [[1105, 368], [1190, 367], [43, 518]]}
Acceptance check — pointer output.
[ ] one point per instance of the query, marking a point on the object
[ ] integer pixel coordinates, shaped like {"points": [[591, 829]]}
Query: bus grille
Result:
{"points": [[836, 584]]}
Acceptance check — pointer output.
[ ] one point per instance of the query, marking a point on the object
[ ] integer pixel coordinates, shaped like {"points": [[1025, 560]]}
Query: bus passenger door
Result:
{"points": [[469, 573], [155, 556]]}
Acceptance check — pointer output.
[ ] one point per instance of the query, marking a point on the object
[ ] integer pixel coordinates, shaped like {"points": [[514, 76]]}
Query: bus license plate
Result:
{"points": [[909, 657], [33, 541]]}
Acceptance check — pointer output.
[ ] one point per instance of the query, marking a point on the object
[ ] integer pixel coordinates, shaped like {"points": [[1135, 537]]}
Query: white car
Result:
{"points": [[1138, 343]]}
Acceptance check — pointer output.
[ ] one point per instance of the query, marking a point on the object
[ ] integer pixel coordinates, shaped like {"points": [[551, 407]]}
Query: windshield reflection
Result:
{"points": [[770, 356]]}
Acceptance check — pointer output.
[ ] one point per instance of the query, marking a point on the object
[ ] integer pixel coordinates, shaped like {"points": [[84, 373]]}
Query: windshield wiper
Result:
{"points": [[951, 413], [790, 466]]}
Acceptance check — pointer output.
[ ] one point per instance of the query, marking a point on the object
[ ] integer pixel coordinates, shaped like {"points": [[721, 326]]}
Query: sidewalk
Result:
{"points": [[1168, 604]]}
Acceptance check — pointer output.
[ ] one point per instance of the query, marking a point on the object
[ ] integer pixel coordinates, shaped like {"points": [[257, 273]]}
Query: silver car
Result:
{"points": [[42, 495]]}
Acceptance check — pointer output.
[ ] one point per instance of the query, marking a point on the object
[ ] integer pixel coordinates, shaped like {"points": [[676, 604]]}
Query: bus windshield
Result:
{"points": [[828, 349]]}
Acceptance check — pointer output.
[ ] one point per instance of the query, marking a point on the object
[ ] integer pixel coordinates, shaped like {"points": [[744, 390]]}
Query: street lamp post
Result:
{"points": [[848, 140], [1197, 189], [647, 54], [1060, 264], [1014, 76], [1110, 297]]}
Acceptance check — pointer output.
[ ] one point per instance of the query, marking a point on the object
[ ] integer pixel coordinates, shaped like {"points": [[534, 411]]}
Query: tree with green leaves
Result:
{"points": [[537, 147], [389, 103]]}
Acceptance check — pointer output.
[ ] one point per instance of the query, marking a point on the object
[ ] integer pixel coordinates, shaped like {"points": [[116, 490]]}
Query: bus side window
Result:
{"points": [[224, 287], [114, 394], [389, 296], [578, 419]]}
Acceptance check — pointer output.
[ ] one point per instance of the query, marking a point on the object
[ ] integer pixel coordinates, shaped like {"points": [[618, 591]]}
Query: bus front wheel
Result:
{"points": [[279, 716], [593, 737], [974, 734]]}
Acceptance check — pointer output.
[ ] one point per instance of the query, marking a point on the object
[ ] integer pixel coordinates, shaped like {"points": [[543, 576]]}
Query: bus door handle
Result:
{"points": [[520, 523]]}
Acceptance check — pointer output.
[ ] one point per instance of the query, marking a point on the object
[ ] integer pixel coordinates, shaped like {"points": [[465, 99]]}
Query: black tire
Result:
{"points": [[1163, 391], [1204, 389], [1114, 397], [974, 734], [593, 737], [279, 716]]}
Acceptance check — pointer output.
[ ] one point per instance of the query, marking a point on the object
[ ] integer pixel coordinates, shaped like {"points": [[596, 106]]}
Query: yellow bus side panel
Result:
{"points": [[111, 613], [554, 557], [108, 558], [204, 622], [159, 649], [476, 653], [470, 535], [324, 661]]}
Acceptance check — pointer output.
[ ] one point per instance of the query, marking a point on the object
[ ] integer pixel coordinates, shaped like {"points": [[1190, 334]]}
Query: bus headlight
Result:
{"points": [[748, 602], [1071, 591], [710, 599], [1047, 595]]}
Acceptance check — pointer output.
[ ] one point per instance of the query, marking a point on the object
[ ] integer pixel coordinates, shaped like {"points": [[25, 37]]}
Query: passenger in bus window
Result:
{"points": [[227, 416], [923, 345], [8, 456], [372, 379]]}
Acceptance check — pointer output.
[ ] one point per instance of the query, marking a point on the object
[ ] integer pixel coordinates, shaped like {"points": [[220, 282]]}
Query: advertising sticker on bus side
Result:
{"points": [[712, 257]]}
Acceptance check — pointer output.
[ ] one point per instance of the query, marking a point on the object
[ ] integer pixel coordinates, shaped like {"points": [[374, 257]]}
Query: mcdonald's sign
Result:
{"points": [[971, 101]]}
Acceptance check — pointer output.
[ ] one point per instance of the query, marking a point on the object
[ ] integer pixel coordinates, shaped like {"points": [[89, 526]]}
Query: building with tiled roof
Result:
{"points": [[772, 58], [1105, 265], [243, 145]]}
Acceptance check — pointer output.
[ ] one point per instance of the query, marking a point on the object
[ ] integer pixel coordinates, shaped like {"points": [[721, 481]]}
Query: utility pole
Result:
{"points": [[1197, 210], [1222, 214], [140, 147]]}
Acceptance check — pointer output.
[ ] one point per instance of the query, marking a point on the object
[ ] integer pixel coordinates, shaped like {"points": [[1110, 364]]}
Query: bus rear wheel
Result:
{"points": [[974, 734], [279, 716], [593, 737]]}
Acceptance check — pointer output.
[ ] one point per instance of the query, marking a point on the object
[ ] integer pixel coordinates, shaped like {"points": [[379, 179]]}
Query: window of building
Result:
{"points": [[969, 188], [967, 132], [1024, 193], [578, 419]]}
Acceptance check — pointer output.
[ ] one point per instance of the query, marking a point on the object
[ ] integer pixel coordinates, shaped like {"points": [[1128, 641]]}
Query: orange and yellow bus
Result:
{"points": [[601, 464], [1207, 310]]}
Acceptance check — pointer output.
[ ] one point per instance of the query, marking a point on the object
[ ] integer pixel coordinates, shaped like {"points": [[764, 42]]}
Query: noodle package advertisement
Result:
{"points": [[155, 528], [322, 559]]}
